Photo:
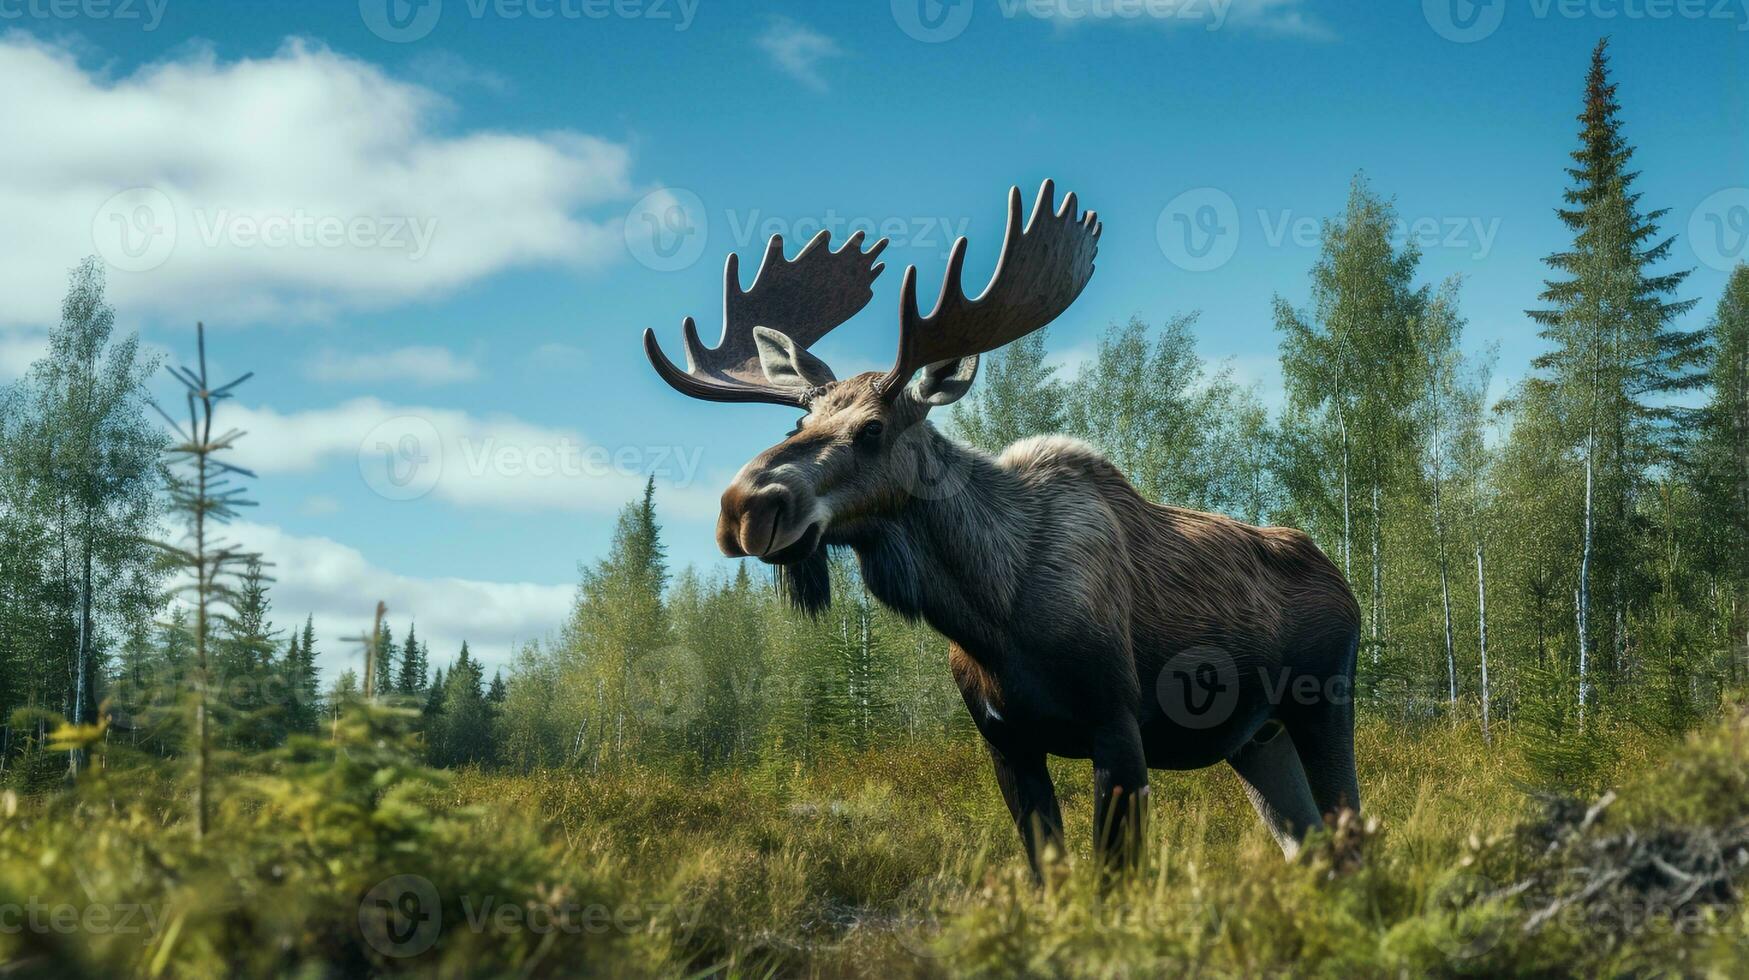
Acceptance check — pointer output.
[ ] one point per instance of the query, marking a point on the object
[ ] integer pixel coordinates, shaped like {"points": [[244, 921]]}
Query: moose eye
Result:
{"points": [[870, 433], [798, 425]]}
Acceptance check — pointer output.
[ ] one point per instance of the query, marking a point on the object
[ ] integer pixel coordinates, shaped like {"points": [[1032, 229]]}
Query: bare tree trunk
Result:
{"points": [[203, 587], [1378, 580], [1582, 598], [1347, 519], [82, 653], [1482, 631], [1439, 539]]}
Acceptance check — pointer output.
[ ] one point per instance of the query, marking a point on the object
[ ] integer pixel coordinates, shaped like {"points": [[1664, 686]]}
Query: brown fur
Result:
{"points": [[1071, 600]]}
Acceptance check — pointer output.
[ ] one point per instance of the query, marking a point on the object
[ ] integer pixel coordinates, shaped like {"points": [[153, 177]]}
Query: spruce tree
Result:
{"points": [[384, 670], [411, 681], [1615, 358]]}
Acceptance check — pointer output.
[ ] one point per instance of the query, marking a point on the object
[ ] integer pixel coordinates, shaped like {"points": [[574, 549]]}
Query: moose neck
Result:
{"points": [[955, 552]]}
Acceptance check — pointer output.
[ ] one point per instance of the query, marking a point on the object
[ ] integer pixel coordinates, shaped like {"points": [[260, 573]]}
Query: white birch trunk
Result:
{"points": [[1482, 631], [1582, 598]]}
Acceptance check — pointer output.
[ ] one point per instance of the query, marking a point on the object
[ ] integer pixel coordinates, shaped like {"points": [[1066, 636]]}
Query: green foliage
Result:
{"points": [[891, 861]]}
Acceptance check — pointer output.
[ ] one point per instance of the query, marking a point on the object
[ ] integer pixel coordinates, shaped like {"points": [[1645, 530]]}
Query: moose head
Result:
{"points": [[851, 458]]}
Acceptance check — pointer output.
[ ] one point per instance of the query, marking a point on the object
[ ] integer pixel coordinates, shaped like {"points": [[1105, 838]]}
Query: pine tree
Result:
{"points": [[384, 670], [411, 681], [466, 737], [1615, 358], [247, 680], [305, 680], [1723, 467]]}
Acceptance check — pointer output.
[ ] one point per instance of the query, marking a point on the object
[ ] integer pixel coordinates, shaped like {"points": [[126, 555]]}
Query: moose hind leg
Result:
{"points": [[1269, 766], [1325, 740], [1032, 802]]}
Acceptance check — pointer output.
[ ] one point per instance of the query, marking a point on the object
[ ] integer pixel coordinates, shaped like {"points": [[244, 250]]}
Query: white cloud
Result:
{"points": [[337, 585], [319, 505], [797, 51], [1286, 18], [18, 350], [417, 365], [295, 185], [406, 452]]}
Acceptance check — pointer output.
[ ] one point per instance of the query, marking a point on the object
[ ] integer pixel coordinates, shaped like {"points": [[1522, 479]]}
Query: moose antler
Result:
{"points": [[804, 298], [1039, 273]]}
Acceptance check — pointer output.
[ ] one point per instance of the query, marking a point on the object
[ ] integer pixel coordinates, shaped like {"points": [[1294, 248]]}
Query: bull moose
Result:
{"points": [[1084, 621]]}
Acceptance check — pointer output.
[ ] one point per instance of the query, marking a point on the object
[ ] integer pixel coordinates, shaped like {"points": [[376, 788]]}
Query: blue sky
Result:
{"points": [[450, 222]]}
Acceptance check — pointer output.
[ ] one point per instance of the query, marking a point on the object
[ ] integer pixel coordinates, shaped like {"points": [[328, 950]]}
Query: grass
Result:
{"points": [[895, 861]]}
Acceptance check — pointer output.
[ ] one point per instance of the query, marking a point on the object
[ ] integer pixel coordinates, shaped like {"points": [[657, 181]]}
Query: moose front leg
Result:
{"points": [[1032, 801], [1120, 793]]}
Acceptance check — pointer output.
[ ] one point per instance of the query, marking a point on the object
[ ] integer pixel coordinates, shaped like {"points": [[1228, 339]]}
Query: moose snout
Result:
{"points": [[754, 521]]}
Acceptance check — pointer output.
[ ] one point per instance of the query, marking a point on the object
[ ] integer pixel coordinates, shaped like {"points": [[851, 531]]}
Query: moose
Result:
{"points": [[1084, 621]]}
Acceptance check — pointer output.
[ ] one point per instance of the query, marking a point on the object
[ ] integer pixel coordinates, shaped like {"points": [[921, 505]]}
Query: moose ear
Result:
{"points": [[788, 364], [945, 382]]}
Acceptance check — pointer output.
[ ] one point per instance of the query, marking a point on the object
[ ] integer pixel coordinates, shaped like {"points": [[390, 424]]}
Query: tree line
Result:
{"points": [[1570, 558]]}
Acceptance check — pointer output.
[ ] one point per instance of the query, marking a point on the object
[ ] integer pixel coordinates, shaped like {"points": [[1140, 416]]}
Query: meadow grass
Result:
{"points": [[894, 861]]}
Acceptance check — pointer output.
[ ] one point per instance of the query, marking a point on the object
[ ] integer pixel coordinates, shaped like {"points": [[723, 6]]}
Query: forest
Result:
{"points": [[692, 778]]}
